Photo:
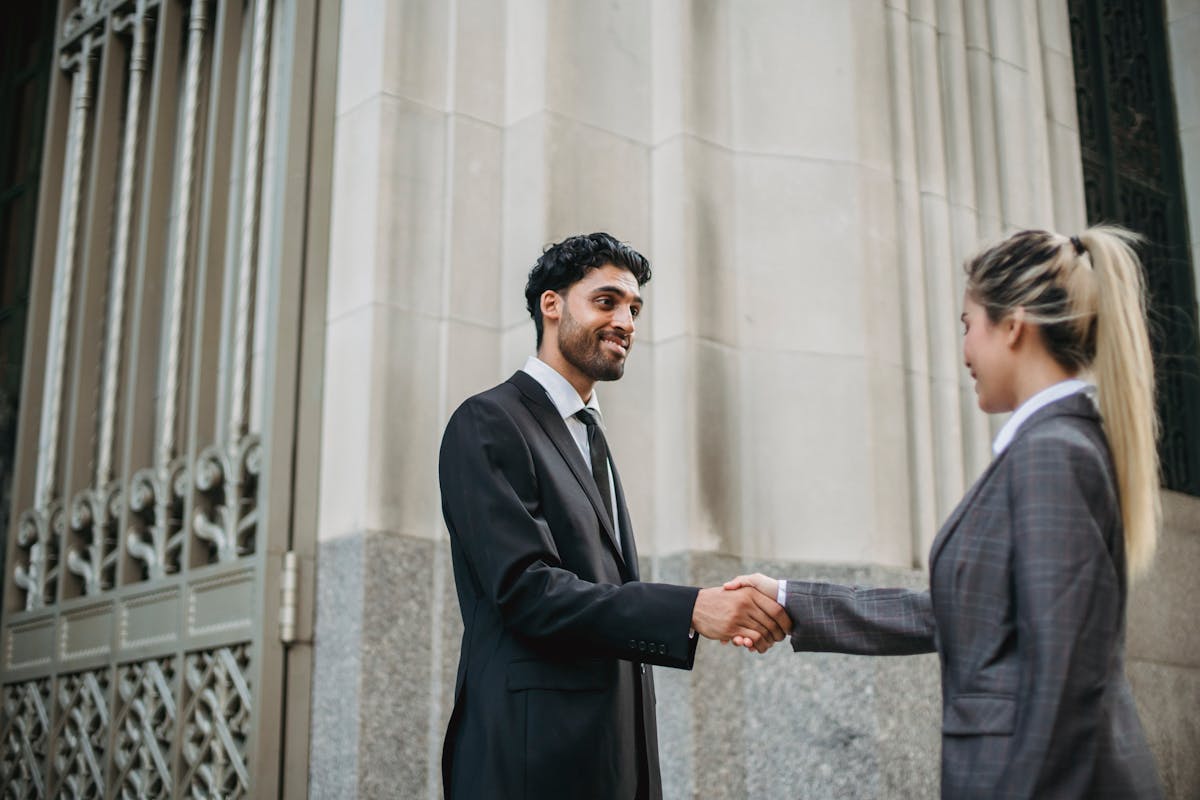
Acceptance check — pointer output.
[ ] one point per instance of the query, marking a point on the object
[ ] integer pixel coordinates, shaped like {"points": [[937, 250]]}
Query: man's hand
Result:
{"points": [[743, 615], [766, 587]]}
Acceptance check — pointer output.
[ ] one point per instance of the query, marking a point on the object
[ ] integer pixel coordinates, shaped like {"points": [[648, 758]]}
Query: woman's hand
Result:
{"points": [[761, 583], [768, 586]]}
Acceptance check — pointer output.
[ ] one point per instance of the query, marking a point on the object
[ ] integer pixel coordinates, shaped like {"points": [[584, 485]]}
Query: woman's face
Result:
{"points": [[989, 358]]}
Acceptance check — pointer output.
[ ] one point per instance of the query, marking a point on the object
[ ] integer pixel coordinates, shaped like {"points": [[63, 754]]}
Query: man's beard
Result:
{"points": [[583, 350]]}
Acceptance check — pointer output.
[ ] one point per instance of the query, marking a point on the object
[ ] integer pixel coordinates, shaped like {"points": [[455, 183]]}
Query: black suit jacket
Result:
{"points": [[553, 698], [1026, 610]]}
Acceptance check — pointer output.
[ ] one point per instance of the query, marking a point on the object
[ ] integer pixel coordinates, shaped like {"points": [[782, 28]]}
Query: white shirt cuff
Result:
{"points": [[781, 594]]}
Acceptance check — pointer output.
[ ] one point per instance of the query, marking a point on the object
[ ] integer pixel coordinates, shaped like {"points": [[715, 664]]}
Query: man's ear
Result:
{"points": [[551, 305], [1015, 327]]}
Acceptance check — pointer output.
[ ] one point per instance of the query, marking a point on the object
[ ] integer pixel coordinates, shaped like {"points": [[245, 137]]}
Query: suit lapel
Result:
{"points": [[956, 515], [1077, 404], [628, 548], [543, 410]]}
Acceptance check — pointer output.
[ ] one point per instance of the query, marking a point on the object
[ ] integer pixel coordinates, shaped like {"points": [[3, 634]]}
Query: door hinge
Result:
{"points": [[289, 582]]}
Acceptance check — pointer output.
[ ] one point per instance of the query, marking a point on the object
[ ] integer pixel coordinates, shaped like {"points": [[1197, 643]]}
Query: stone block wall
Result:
{"points": [[739, 725]]}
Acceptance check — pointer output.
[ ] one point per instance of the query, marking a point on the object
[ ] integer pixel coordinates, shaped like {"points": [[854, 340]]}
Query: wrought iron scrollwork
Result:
{"points": [[227, 508], [95, 514], [86, 15], [81, 734], [36, 571], [155, 537], [25, 732], [1131, 175], [217, 722], [145, 725]]}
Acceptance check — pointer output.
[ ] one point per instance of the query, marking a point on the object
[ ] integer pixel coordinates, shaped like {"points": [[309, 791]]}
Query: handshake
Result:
{"points": [[744, 611]]}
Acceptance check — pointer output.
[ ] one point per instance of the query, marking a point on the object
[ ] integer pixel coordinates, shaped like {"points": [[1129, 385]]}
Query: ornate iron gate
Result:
{"points": [[158, 543], [1131, 174]]}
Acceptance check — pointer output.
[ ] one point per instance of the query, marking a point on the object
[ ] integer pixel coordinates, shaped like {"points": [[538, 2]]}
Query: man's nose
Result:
{"points": [[623, 318]]}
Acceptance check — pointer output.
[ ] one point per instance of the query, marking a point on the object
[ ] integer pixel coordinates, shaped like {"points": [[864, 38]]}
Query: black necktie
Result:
{"points": [[598, 447]]}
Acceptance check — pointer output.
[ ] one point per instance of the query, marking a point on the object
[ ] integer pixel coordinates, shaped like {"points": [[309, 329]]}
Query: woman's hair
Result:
{"points": [[1087, 296]]}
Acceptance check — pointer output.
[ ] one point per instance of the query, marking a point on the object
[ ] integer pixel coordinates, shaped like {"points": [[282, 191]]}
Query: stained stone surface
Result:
{"points": [[786, 724], [394, 721], [739, 725], [1168, 699], [337, 662], [372, 668]]}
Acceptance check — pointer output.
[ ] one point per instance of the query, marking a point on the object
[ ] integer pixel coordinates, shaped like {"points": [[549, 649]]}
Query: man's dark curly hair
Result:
{"points": [[563, 264]]}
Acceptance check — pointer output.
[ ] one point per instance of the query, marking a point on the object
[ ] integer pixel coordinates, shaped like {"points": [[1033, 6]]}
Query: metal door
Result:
{"points": [[162, 504]]}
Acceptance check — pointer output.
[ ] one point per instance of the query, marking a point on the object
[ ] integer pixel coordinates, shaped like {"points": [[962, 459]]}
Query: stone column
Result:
{"points": [[806, 178]]}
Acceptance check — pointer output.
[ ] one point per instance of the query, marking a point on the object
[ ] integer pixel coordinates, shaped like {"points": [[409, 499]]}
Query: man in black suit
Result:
{"points": [[554, 696]]}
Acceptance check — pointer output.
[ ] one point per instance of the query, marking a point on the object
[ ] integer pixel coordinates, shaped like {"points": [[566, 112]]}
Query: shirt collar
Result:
{"points": [[1039, 401], [562, 393]]}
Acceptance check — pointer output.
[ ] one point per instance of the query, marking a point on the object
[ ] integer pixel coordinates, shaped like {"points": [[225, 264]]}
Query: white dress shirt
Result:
{"points": [[1004, 438], [1035, 403], [568, 403]]}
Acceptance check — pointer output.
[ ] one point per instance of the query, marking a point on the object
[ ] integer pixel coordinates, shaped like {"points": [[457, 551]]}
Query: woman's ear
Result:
{"points": [[1015, 325]]}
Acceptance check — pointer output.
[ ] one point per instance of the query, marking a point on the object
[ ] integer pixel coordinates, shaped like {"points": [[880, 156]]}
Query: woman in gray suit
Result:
{"points": [[1028, 576]]}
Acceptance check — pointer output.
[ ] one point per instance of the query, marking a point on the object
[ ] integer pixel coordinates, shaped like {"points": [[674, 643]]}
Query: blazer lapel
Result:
{"points": [[547, 416], [956, 515], [1076, 404]]}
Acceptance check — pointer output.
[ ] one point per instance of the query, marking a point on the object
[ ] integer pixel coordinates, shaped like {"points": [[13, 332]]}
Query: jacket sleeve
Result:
{"points": [[827, 617], [1069, 600], [491, 504]]}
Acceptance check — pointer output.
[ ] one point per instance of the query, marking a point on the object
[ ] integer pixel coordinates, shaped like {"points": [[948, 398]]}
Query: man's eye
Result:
{"points": [[634, 311]]}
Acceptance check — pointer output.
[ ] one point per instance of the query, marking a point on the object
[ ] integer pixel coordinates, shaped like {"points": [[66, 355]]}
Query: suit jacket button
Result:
{"points": [[632, 644], [662, 649]]}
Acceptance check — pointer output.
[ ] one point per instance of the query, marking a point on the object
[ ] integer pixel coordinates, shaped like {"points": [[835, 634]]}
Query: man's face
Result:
{"points": [[599, 314]]}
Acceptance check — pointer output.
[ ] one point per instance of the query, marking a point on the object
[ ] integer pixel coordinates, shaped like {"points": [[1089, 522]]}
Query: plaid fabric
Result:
{"points": [[1026, 610]]}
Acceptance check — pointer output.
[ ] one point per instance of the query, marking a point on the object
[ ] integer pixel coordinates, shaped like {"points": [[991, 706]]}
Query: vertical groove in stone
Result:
{"points": [[1065, 168], [983, 119], [939, 282], [1040, 146], [964, 205], [910, 255]]}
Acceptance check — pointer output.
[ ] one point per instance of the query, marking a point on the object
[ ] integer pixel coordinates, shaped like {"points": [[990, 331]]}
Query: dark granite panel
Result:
{"points": [[397, 631], [337, 662], [1168, 702], [1162, 603], [796, 725], [738, 725], [674, 689]]}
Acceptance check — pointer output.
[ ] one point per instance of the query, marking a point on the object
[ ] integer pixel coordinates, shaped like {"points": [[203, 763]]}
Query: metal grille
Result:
{"points": [[141, 596], [1130, 148]]}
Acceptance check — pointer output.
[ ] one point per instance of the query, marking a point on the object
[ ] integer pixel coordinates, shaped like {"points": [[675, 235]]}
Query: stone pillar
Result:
{"points": [[806, 178]]}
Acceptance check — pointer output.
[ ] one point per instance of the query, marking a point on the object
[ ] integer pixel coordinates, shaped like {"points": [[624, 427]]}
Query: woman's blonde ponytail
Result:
{"points": [[1124, 373]]}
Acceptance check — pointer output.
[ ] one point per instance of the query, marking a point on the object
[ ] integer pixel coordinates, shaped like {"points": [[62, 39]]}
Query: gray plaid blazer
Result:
{"points": [[1026, 611]]}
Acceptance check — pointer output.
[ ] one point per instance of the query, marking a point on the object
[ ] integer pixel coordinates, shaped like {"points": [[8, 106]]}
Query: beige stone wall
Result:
{"points": [[806, 177]]}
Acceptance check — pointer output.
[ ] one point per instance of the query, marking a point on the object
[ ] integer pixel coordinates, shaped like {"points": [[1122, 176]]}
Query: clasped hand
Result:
{"points": [[743, 611]]}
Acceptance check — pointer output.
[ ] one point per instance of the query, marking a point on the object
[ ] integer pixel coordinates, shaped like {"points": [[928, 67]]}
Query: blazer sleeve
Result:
{"points": [[827, 617], [1069, 600], [492, 508]]}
